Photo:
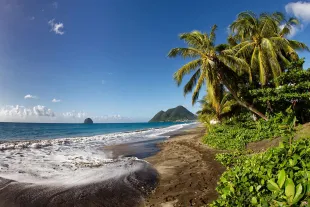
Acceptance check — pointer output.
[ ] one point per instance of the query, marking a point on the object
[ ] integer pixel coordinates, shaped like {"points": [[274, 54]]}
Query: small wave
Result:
{"points": [[105, 139]]}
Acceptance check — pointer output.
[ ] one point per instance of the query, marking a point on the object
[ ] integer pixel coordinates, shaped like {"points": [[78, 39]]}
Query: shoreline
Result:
{"points": [[188, 172]]}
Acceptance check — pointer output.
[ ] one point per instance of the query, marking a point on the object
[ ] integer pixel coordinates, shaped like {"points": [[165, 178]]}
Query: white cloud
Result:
{"points": [[21, 113], [43, 111], [28, 96], [74, 115], [56, 27], [110, 119], [56, 100], [299, 9]]}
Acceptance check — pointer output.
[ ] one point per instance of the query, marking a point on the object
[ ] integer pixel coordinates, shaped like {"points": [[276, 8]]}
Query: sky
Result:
{"points": [[63, 61]]}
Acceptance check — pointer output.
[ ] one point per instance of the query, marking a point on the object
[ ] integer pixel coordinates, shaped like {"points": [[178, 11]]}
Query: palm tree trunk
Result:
{"points": [[240, 102], [246, 104]]}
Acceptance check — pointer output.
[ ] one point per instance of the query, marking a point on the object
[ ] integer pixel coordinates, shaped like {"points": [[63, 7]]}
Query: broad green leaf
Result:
{"points": [[281, 145], [258, 187], [251, 189], [289, 190], [272, 186], [291, 162], [254, 200], [281, 178], [298, 194]]}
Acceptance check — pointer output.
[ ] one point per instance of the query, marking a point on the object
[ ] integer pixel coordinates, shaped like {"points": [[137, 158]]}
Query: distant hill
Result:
{"points": [[179, 113]]}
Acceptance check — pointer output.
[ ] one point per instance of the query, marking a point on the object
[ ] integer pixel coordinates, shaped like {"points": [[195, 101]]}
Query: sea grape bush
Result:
{"points": [[278, 177], [231, 158]]}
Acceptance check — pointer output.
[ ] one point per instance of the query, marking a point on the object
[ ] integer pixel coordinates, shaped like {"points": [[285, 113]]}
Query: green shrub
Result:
{"points": [[277, 177], [231, 158], [236, 133]]}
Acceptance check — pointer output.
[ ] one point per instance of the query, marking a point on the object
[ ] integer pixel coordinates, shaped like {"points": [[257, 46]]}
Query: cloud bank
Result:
{"points": [[56, 27], [21, 113], [40, 113]]}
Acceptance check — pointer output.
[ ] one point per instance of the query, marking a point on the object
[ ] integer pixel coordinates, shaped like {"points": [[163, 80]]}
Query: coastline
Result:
{"points": [[180, 171], [188, 172]]}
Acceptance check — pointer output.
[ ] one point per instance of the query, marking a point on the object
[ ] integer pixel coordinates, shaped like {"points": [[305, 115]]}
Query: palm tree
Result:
{"points": [[262, 42], [227, 106], [210, 66]]}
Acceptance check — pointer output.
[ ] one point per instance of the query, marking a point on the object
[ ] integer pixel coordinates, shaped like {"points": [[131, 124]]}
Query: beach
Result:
{"points": [[187, 170]]}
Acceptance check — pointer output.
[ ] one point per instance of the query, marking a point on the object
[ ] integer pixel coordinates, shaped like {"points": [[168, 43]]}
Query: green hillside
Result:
{"points": [[179, 113]]}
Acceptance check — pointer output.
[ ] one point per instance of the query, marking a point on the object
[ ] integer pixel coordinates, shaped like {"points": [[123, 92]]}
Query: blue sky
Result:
{"points": [[106, 59]]}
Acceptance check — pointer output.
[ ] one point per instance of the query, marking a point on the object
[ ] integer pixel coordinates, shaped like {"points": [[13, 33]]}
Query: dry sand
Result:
{"points": [[188, 171]]}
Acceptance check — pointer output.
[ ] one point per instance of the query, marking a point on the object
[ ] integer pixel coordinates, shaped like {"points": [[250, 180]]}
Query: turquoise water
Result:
{"points": [[35, 131]]}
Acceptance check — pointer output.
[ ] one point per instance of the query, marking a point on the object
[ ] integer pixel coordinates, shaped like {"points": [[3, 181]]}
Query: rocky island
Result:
{"points": [[88, 121]]}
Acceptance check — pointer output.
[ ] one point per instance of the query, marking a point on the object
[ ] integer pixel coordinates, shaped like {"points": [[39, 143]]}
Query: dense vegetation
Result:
{"points": [[277, 177], [234, 134], [256, 88], [178, 113]]}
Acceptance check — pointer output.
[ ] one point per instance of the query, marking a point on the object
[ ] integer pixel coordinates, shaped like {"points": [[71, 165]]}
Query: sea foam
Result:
{"points": [[56, 160]]}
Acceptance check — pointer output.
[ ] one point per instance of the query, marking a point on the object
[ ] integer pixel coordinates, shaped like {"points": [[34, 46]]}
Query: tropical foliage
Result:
{"points": [[257, 72], [263, 43], [277, 177], [236, 133], [256, 55], [227, 107], [294, 91]]}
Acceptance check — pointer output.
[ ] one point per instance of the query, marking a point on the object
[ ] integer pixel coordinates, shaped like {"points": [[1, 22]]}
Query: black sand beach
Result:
{"points": [[126, 190]]}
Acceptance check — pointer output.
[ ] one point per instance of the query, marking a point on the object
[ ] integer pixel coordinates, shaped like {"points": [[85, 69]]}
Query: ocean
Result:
{"points": [[66, 159]]}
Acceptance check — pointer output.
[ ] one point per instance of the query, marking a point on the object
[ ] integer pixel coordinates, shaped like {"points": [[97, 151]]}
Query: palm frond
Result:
{"points": [[194, 39], [238, 65], [186, 69], [199, 84], [212, 33], [296, 45], [272, 58], [184, 52], [191, 83], [263, 67]]}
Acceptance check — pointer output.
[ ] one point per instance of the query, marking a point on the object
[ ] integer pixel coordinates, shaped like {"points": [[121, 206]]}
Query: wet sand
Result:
{"points": [[125, 190], [187, 169]]}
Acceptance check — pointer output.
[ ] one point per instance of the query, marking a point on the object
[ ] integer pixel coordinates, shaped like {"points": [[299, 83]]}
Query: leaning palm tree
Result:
{"points": [[210, 66], [262, 42]]}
